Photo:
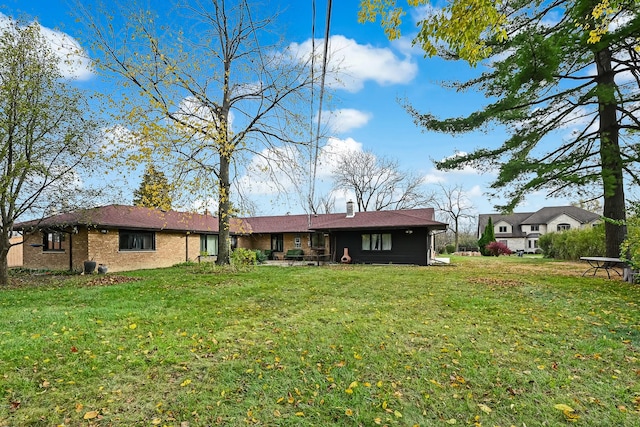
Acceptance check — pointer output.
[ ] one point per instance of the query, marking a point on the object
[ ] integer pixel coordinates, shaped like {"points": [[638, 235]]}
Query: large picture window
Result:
{"points": [[52, 241], [277, 242], [209, 244], [376, 242], [137, 240]]}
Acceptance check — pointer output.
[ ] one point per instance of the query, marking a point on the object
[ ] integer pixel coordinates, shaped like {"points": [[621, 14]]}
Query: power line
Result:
{"points": [[325, 59]]}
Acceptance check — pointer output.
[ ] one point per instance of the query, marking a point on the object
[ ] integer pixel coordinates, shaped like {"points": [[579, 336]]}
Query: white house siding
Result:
{"points": [[562, 219]]}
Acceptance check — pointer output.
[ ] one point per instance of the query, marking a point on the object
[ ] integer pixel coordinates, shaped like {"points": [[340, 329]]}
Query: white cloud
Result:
{"points": [[74, 61], [285, 169], [345, 119], [352, 64], [435, 176], [117, 139], [332, 152]]}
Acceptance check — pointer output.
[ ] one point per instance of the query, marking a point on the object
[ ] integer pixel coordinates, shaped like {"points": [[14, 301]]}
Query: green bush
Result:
{"points": [[261, 257], [573, 244], [630, 249], [451, 249], [243, 257]]}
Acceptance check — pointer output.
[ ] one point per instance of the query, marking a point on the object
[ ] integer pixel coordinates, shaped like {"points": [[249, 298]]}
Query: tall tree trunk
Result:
{"points": [[224, 211], [611, 160], [4, 265]]}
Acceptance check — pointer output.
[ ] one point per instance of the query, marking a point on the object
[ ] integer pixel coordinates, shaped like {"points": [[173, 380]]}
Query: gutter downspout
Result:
{"points": [[186, 249], [71, 251]]}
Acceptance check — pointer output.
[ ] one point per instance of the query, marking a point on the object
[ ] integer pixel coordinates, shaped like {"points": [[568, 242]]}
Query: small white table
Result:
{"points": [[603, 263]]}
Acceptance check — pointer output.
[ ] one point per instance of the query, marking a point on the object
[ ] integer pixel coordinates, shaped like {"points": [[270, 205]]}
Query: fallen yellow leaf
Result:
{"points": [[90, 415], [484, 408], [563, 407]]}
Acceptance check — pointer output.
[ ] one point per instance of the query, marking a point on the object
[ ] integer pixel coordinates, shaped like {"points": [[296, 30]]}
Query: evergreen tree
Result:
{"points": [[154, 190], [488, 236], [566, 64], [565, 85]]}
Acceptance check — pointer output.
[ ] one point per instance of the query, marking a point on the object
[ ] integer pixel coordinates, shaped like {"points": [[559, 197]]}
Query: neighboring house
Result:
{"points": [[129, 238], [521, 231]]}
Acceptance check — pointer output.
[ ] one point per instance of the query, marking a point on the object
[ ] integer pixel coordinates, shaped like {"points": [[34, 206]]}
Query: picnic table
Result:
{"points": [[607, 264]]}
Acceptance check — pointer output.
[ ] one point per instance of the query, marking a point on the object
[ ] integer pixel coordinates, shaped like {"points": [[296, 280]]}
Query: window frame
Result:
{"points": [[384, 242], [563, 227], [277, 242], [52, 241], [502, 229], [129, 234], [204, 244], [535, 227]]}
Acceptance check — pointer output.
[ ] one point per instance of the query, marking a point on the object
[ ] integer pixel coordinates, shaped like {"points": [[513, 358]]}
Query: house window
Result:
{"points": [[277, 242], [297, 242], [137, 240], [563, 227], [502, 229], [535, 227], [52, 241], [376, 242], [209, 244], [317, 240]]}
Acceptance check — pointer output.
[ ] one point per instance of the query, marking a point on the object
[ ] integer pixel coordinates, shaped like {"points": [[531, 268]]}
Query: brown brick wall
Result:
{"points": [[35, 257], [171, 249], [103, 248], [263, 241], [255, 241]]}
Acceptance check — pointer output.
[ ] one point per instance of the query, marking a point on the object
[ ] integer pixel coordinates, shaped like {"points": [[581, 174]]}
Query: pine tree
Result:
{"points": [[488, 236], [565, 85], [154, 190]]}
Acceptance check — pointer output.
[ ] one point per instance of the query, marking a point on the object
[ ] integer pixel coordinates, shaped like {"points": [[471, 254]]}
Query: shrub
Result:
{"points": [[630, 249], [451, 249], [261, 257], [243, 257], [497, 249], [573, 244]]}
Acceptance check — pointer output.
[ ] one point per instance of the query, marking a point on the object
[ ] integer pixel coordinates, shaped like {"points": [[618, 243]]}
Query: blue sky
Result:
{"points": [[379, 74]]}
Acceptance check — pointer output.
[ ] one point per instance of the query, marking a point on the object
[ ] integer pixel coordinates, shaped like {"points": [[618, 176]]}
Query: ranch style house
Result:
{"points": [[130, 237]]}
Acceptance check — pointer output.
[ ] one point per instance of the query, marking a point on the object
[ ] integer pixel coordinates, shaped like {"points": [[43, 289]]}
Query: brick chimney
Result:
{"points": [[350, 212]]}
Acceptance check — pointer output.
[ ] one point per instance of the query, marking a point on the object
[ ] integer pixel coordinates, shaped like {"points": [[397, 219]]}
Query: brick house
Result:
{"points": [[130, 238], [120, 237], [521, 231]]}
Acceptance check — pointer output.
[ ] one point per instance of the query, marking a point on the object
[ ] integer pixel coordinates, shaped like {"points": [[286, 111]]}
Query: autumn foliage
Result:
{"points": [[497, 249]]}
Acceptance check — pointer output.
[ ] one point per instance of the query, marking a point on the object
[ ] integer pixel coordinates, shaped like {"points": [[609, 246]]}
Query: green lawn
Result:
{"points": [[484, 341]]}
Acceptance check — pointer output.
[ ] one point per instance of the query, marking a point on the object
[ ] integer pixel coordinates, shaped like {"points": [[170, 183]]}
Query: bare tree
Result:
{"points": [[208, 92], [378, 183], [455, 206], [45, 131]]}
